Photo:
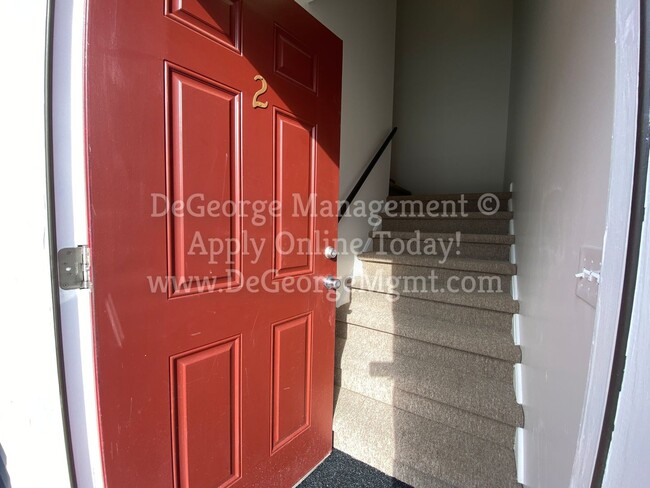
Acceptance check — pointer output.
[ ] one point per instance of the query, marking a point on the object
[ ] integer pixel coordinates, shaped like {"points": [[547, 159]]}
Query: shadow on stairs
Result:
{"points": [[425, 352]]}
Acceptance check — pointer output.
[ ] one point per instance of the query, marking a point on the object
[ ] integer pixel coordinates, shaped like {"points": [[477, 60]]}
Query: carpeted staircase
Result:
{"points": [[424, 374]]}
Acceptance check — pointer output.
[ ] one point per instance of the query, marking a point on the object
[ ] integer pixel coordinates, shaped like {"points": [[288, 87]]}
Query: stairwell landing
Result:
{"points": [[425, 352]]}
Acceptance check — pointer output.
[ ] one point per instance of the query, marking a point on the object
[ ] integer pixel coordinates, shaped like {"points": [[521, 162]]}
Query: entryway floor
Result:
{"points": [[342, 471]]}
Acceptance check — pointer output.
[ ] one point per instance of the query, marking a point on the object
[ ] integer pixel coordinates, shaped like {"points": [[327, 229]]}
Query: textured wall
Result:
{"points": [[452, 81]]}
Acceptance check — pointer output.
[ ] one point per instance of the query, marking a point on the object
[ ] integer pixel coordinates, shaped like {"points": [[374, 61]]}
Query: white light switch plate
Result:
{"points": [[591, 259]]}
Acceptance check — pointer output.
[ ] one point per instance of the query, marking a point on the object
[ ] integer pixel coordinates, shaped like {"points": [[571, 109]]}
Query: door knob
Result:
{"points": [[332, 283], [331, 253]]}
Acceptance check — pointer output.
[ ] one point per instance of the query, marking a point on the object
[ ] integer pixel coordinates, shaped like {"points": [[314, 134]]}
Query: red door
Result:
{"points": [[214, 335]]}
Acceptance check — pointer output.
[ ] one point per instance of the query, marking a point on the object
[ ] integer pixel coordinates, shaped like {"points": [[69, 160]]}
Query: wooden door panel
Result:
{"points": [[203, 158], [219, 20], [206, 408], [291, 370], [295, 143], [295, 61]]}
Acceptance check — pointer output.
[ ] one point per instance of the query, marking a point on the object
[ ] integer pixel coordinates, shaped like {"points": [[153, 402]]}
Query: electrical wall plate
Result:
{"points": [[588, 276]]}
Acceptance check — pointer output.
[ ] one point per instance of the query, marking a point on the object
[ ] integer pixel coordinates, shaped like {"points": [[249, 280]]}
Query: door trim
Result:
{"points": [[69, 181], [52, 241], [633, 250]]}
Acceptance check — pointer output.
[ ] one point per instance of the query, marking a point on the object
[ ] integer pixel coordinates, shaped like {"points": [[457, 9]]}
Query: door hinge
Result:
{"points": [[74, 268]]}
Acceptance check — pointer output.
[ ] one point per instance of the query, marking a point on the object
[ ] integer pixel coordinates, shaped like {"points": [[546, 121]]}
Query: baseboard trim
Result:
{"points": [[519, 455], [517, 381], [516, 329]]}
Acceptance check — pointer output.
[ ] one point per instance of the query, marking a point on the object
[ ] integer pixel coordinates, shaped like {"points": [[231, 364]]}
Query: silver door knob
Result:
{"points": [[331, 253], [332, 283]]}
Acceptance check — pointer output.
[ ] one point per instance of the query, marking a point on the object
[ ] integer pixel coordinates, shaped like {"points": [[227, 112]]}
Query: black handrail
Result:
{"points": [[364, 176]]}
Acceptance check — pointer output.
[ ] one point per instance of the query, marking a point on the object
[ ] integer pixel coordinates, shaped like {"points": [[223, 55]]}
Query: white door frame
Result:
{"points": [[631, 439], [72, 230]]}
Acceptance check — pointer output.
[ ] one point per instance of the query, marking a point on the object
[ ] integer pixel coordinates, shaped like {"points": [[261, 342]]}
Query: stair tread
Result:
{"points": [[453, 216], [383, 436], [488, 341], [451, 196], [350, 338], [490, 398], [498, 239], [456, 418], [418, 276], [383, 306], [498, 302], [429, 261]]}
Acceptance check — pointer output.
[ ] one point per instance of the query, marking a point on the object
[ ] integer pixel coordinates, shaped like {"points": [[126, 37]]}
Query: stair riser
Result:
{"points": [[383, 381], [456, 293], [351, 339], [496, 239], [385, 371], [400, 465], [480, 226], [455, 418], [388, 438], [369, 302], [444, 206], [385, 271], [501, 195], [485, 341], [444, 249]]}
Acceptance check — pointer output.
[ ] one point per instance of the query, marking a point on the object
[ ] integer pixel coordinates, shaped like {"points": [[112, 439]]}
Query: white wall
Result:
{"points": [[31, 426], [621, 178], [367, 28], [452, 82], [559, 146]]}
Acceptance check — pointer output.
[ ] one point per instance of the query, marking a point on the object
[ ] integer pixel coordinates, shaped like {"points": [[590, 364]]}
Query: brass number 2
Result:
{"points": [[260, 92]]}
